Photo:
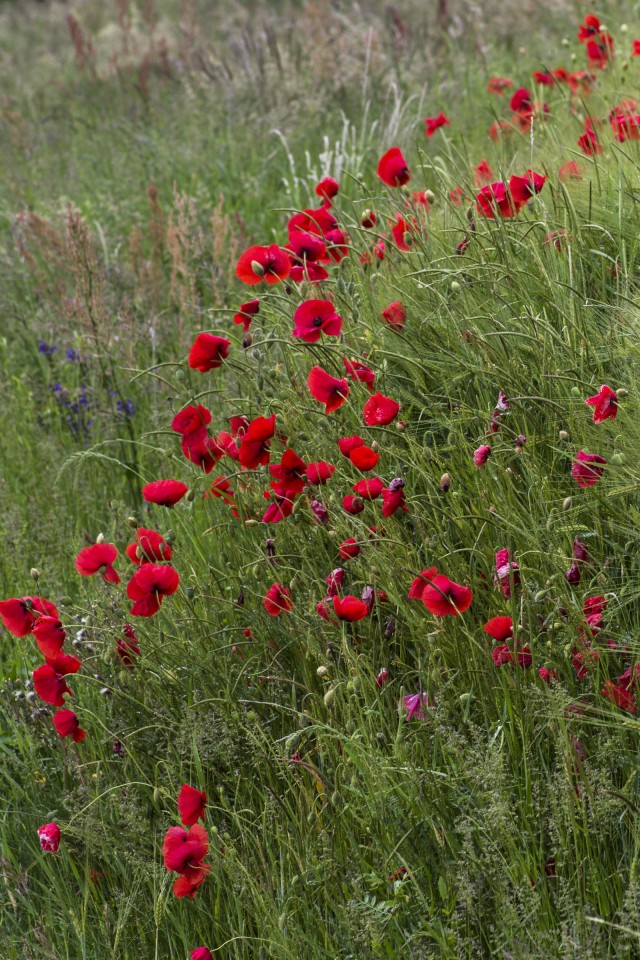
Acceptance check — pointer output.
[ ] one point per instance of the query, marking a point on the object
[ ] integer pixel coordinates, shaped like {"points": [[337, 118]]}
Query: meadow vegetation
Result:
{"points": [[387, 634]]}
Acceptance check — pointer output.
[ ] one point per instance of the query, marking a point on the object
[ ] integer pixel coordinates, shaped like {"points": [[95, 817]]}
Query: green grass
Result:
{"points": [[125, 203]]}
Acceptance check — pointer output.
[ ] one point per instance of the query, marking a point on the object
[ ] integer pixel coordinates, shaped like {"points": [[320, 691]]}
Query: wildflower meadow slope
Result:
{"points": [[319, 526]]}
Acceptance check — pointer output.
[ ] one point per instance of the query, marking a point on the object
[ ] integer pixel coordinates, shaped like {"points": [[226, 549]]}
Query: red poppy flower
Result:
{"points": [[149, 547], [359, 372], [569, 171], [589, 28], [379, 410], [184, 852], [68, 725], [277, 600], [364, 458], [600, 51], [318, 473], [521, 102], [431, 124], [246, 313], [203, 453], [499, 85], [382, 677], [327, 188], [523, 188], [543, 77], [501, 655], [50, 635], [49, 836], [376, 252], [147, 587], [368, 219], [393, 498], [327, 389], [254, 445], [605, 404], [620, 696], [499, 628], [548, 676], [50, 685], [201, 953], [315, 317], [482, 174], [481, 455], [98, 558], [393, 169], [588, 142], [626, 127], [191, 805], [347, 444], [334, 581], [208, 352], [63, 664], [401, 227], [128, 647], [525, 657], [306, 247], [319, 221], [395, 315], [499, 129], [279, 509], [495, 199], [442, 597], [369, 489], [289, 474], [191, 423], [587, 468], [270, 264], [19, 615], [349, 608], [507, 572], [166, 493], [349, 549], [221, 488], [420, 582]]}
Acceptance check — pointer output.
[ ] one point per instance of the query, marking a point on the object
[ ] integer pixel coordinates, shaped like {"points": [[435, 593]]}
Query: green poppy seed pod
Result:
{"points": [[190, 592], [566, 503], [351, 687], [350, 727], [429, 196], [445, 482], [455, 286], [252, 716], [617, 459], [179, 375], [115, 504], [549, 644], [34, 573], [322, 671], [330, 696], [257, 268], [575, 391], [621, 393], [563, 435], [100, 538], [557, 626], [190, 496]]}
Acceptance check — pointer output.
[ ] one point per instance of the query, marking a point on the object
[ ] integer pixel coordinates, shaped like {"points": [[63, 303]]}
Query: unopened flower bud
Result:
{"points": [[566, 503], [133, 521], [100, 538], [455, 286], [322, 671], [247, 340], [563, 435], [190, 496], [257, 268], [330, 696], [190, 592], [621, 393], [34, 573], [445, 482], [617, 459], [429, 196]]}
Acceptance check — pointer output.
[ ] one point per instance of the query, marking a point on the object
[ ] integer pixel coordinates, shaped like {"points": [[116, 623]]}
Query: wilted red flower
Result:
{"points": [[68, 725], [501, 655], [147, 587], [360, 372], [364, 458], [369, 489], [415, 704], [587, 468], [277, 600], [349, 608], [315, 317], [499, 628], [379, 410], [270, 264], [393, 169], [499, 85], [19, 614], [482, 174], [50, 685], [395, 314], [127, 646], [622, 697], [507, 572], [166, 493], [495, 199], [191, 804], [605, 404], [254, 445], [98, 558], [49, 836], [184, 852], [353, 505], [149, 547], [191, 423], [393, 498], [349, 549], [246, 313], [481, 455], [208, 352], [569, 171], [442, 597], [432, 124], [327, 389], [50, 635]]}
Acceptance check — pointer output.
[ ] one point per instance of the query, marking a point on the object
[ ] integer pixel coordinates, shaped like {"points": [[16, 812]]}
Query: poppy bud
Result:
{"points": [[455, 286], [322, 671], [621, 393], [170, 537], [190, 496], [190, 592], [115, 504], [240, 600], [566, 503], [617, 459], [247, 340], [429, 196], [250, 523], [624, 28], [574, 57], [564, 42], [100, 538], [575, 391], [179, 375], [540, 595], [257, 268], [445, 482], [368, 219], [34, 573], [563, 435], [330, 696], [132, 521]]}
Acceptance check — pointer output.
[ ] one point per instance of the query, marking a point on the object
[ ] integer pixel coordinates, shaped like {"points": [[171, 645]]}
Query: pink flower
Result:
{"points": [[49, 836], [587, 468], [415, 704], [481, 455]]}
